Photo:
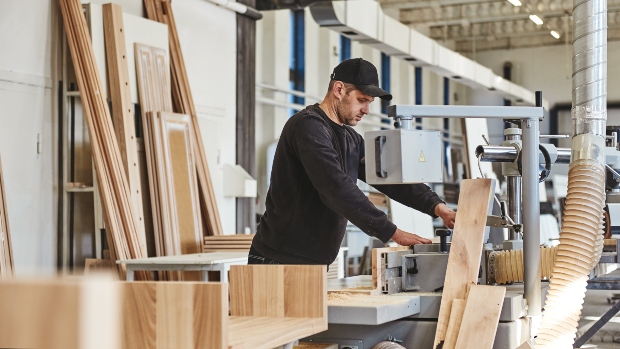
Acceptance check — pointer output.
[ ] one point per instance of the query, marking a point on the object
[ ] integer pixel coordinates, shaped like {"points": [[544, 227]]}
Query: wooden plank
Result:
{"points": [[55, 314], [466, 249], [183, 102], [481, 317], [454, 324], [122, 109], [175, 315]]}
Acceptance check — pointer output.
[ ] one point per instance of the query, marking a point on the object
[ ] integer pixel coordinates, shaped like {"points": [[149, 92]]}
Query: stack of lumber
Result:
{"points": [[228, 243], [183, 102], [6, 251], [121, 227]]}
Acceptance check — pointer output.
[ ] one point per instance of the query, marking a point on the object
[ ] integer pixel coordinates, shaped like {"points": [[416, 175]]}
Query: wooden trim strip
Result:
{"points": [[122, 108]]}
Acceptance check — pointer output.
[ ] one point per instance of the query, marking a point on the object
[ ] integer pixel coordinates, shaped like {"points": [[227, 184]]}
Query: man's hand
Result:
{"points": [[445, 213], [406, 239]]}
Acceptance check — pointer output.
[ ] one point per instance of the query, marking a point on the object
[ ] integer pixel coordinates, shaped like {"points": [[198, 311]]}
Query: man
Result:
{"points": [[313, 188]]}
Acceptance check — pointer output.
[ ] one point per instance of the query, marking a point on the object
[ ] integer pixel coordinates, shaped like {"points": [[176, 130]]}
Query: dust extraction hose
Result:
{"points": [[507, 266], [580, 243], [388, 345]]}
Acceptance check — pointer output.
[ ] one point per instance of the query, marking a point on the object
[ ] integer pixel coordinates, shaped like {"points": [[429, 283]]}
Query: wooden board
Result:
{"points": [[54, 314], [249, 332], [161, 11], [481, 317], [466, 248], [175, 315], [122, 109]]}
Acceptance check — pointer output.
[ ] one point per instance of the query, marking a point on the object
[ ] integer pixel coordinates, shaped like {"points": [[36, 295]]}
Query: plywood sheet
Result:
{"points": [[466, 248]]}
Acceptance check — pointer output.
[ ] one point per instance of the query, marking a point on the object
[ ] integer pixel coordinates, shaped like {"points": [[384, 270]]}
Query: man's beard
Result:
{"points": [[344, 112]]}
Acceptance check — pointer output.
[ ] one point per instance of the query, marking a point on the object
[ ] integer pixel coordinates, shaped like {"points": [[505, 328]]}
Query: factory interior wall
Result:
{"points": [[29, 34]]}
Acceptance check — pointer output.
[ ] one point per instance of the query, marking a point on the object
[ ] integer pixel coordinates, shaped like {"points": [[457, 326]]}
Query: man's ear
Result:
{"points": [[338, 90]]}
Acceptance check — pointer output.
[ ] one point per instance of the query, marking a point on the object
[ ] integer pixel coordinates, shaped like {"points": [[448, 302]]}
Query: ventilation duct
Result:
{"points": [[581, 239]]}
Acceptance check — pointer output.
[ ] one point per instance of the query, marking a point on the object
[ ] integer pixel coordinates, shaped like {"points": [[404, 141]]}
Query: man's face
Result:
{"points": [[353, 106]]}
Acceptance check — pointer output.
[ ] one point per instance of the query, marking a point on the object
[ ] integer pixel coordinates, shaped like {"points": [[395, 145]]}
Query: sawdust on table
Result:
{"points": [[362, 300]]}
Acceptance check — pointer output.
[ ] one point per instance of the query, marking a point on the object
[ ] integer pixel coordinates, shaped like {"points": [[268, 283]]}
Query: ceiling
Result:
{"points": [[478, 25]]}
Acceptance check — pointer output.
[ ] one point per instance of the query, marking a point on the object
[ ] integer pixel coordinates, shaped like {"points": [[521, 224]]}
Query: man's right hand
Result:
{"points": [[403, 238]]}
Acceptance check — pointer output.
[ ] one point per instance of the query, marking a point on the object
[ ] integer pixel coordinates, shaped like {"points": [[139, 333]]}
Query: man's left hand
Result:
{"points": [[445, 213]]}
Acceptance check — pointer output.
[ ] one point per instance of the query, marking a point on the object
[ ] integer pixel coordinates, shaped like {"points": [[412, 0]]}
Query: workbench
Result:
{"points": [[203, 262]]}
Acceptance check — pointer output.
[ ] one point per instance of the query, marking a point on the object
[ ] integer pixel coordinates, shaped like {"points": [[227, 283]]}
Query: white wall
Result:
{"points": [[26, 101]]}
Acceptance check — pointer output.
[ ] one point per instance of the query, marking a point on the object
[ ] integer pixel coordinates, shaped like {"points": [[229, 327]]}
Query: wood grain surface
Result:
{"points": [[481, 317], [466, 247]]}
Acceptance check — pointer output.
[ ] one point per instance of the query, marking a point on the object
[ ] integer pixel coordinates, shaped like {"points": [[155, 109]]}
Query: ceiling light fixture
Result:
{"points": [[536, 19], [515, 2], [555, 34]]}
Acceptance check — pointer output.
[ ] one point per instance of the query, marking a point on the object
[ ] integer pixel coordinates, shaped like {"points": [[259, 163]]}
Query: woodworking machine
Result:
{"points": [[412, 280]]}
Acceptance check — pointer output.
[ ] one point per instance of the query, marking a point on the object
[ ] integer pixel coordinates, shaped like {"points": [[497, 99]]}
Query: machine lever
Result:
{"points": [[379, 143], [614, 173], [443, 238], [414, 269]]}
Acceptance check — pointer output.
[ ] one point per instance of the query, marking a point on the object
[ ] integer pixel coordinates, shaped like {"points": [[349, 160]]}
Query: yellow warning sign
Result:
{"points": [[422, 158]]}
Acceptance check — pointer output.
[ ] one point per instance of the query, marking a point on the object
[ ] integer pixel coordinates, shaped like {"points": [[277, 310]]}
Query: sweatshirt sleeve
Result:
{"points": [[417, 196], [312, 142]]}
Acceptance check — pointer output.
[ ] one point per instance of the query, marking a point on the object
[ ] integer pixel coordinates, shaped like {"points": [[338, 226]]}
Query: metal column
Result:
{"points": [[531, 217]]}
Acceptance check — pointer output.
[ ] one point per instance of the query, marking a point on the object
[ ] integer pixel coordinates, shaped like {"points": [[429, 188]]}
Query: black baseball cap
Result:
{"points": [[363, 75]]}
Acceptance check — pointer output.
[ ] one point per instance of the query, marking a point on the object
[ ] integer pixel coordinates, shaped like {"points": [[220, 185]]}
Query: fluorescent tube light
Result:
{"points": [[555, 34], [515, 2], [536, 19]]}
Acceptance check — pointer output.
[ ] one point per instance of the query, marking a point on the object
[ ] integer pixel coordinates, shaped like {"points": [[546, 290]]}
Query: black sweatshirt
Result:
{"points": [[313, 192]]}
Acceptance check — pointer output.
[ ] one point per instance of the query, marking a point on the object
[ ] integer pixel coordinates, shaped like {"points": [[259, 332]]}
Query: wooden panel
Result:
{"points": [[111, 178], [454, 324], [181, 181], [309, 345], [154, 93], [481, 317], [183, 102], [466, 249], [175, 315], [122, 109], [53, 314], [304, 294], [259, 290]]}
